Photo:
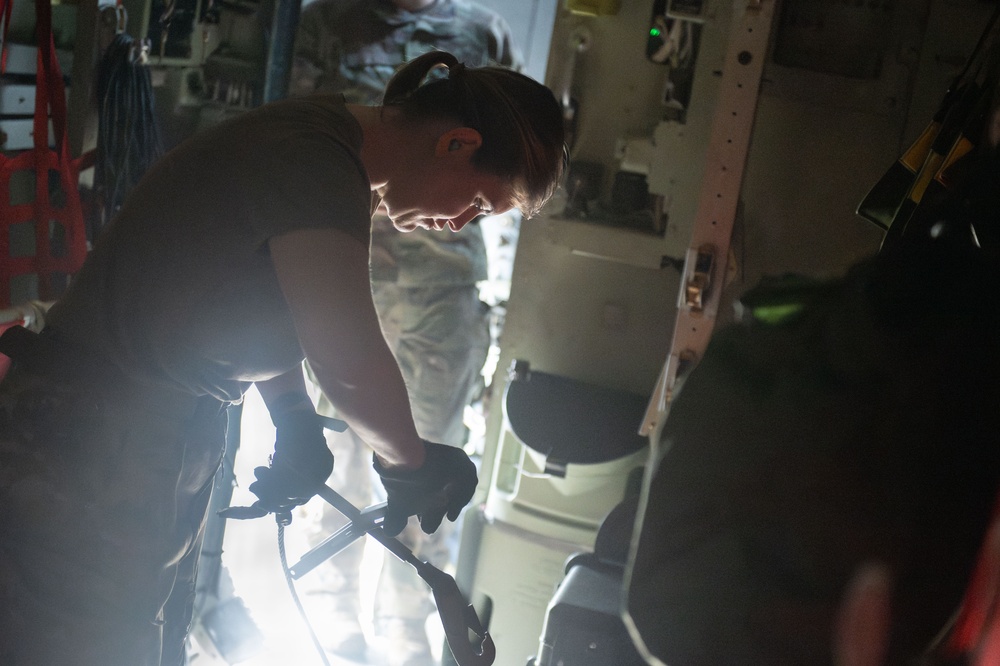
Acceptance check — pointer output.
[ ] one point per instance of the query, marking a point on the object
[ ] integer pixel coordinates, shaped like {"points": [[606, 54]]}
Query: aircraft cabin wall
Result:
{"points": [[846, 87], [594, 299]]}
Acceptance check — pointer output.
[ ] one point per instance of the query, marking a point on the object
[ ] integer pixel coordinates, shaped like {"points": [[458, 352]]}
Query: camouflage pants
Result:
{"points": [[440, 337], [104, 497]]}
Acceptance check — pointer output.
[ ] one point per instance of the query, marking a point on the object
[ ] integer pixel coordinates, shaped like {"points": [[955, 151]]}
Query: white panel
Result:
{"points": [[558, 315], [518, 571], [19, 134], [23, 59], [17, 99]]}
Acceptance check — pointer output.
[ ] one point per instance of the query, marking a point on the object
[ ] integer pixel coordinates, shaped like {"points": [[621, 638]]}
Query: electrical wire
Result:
{"points": [[128, 137], [295, 596]]}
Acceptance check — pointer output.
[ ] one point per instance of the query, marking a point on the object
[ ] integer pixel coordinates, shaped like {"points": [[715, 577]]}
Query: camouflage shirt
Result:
{"points": [[354, 47]]}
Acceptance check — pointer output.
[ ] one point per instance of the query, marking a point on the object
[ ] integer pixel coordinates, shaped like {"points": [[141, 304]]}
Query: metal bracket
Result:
{"points": [[698, 286]]}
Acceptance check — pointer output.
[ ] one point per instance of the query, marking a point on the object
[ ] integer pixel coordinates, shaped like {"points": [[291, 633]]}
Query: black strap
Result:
{"points": [[40, 353], [44, 353], [18, 343]]}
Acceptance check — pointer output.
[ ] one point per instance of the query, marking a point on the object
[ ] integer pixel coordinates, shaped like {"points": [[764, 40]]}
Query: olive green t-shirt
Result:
{"points": [[180, 289]]}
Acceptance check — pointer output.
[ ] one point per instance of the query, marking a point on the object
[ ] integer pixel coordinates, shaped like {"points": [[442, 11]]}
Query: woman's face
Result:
{"points": [[449, 193]]}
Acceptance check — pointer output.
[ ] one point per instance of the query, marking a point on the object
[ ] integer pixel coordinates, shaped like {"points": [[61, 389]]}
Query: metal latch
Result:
{"points": [[700, 281]]}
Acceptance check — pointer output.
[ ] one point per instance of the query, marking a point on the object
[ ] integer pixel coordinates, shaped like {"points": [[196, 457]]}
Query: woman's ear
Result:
{"points": [[462, 141]]}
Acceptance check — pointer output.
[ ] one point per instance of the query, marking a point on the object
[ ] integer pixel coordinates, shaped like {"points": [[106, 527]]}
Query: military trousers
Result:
{"points": [[104, 488]]}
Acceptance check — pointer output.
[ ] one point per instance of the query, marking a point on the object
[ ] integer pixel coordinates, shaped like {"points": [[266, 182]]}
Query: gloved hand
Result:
{"points": [[301, 463], [442, 486]]}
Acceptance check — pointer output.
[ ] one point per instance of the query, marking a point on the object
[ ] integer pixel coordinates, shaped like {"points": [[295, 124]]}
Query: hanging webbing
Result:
{"points": [[6, 7]]}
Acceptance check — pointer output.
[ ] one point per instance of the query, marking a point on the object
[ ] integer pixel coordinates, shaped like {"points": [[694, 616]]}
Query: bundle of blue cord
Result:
{"points": [[128, 140]]}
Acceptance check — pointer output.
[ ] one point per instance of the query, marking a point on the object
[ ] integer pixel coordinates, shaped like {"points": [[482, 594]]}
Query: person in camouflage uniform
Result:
{"points": [[354, 46], [424, 287]]}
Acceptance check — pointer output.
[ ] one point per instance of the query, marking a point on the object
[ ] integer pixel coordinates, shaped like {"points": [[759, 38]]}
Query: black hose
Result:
{"points": [[295, 596], [128, 137]]}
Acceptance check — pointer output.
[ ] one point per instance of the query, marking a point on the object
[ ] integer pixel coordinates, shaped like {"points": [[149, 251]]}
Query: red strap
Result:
{"points": [[977, 629], [6, 7], [50, 96], [51, 90]]}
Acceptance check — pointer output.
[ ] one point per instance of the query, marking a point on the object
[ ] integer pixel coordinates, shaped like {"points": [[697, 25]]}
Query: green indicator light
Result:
{"points": [[654, 32], [776, 314]]}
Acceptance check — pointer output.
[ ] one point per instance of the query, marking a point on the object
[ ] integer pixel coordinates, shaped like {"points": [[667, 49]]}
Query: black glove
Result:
{"points": [[301, 463], [442, 486]]}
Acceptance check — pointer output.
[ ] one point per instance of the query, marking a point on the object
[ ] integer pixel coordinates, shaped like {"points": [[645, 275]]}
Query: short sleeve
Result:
{"points": [[319, 183]]}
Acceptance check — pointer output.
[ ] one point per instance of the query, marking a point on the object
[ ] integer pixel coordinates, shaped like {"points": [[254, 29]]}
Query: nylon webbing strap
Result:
{"points": [[59, 237], [6, 7]]}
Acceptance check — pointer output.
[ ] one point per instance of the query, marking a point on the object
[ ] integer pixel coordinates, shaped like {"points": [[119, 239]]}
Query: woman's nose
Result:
{"points": [[457, 223]]}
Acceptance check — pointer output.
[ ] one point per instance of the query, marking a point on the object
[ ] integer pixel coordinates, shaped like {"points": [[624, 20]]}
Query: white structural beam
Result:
{"points": [[707, 255]]}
